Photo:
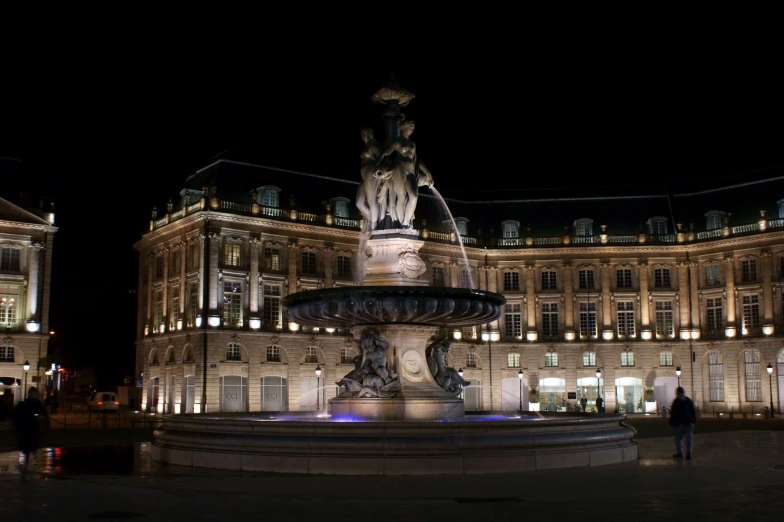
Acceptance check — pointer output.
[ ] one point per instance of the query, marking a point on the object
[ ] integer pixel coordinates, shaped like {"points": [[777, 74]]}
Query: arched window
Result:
{"points": [[583, 227], [187, 354], [170, 354], [268, 196], [665, 358], [273, 353], [589, 359], [462, 226], [233, 352], [511, 229], [7, 354], [311, 354], [470, 360]]}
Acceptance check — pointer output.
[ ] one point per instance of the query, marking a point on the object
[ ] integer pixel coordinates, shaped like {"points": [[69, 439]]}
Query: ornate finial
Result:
{"points": [[154, 212], [392, 92], [169, 206]]}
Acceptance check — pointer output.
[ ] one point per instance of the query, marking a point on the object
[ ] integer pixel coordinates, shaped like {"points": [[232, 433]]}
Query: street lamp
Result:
{"points": [[598, 386], [26, 367], [770, 377], [678, 373], [520, 378], [318, 393]]}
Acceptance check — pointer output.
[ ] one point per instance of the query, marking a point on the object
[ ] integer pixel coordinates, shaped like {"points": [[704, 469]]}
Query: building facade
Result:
{"points": [[631, 307], [26, 240]]}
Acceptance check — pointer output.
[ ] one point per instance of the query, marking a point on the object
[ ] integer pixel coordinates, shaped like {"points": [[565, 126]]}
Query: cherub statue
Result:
{"points": [[374, 354], [371, 377], [446, 377]]}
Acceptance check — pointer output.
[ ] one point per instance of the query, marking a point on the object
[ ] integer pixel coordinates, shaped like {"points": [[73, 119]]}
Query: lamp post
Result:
{"points": [[318, 392], [26, 367], [520, 378], [678, 373], [770, 377], [462, 390], [598, 386]]}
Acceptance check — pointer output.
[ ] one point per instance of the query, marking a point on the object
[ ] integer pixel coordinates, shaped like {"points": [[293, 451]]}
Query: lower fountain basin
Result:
{"points": [[372, 305], [478, 444]]}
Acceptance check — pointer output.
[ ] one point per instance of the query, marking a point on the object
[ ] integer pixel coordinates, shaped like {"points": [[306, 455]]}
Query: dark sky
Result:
{"points": [[110, 115]]}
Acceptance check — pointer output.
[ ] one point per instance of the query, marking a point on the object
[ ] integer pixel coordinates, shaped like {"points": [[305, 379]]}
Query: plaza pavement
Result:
{"points": [[735, 475]]}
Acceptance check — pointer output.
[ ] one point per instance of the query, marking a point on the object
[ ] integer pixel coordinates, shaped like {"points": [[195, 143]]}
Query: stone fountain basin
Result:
{"points": [[373, 305]]}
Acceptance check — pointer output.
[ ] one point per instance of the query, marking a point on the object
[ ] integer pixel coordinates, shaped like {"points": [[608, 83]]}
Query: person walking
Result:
{"points": [[583, 403], [599, 404], [26, 420], [683, 417]]}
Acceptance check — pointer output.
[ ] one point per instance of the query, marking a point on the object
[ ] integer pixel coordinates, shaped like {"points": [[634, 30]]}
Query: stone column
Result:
{"points": [[683, 295], [183, 286], [645, 318], [150, 269], [253, 283], [530, 290], [33, 286], [329, 266], [606, 302], [694, 268], [729, 278], [215, 252], [568, 301], [767, 288], [202, 269], [165, 290], [293, 258]]}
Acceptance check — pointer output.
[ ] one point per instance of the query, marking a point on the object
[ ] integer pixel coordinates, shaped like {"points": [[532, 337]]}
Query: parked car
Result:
{"points": [[105, 401]]}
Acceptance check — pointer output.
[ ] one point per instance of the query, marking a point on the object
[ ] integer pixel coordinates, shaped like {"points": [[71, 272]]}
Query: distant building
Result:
{"points": [[26, 239], [618, 288]]}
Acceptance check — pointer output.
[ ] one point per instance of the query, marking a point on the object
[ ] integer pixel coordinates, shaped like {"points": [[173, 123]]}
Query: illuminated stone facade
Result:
{"points": [[26, 241], [637, 306]]}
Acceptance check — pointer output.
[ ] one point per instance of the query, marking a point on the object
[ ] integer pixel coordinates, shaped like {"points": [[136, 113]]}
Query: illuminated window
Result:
{"points": [[716, 376], [664, 324], [470, 360], [195, 253], [271, 258], [233, 352], [341, 208], [311, 354], [271, 315], [551, 360], [751, 359], [513, 360], [193, 305], [627, 358], [174, 313], [511, 229], [513, 320], [9, 302], [465, 281], [346, 355], [589, 359], [751, 312], [625, 319], [665, 358], [712, 274], [657, 226], [714, 312], [232, 303], [273, 353], [462, 226], [583, 227], [588, 320], [231, 254]]}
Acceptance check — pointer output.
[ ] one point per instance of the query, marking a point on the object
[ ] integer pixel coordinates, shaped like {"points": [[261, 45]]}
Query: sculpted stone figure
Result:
{"points": [[371, 377], [446, 377], [368, 189]]}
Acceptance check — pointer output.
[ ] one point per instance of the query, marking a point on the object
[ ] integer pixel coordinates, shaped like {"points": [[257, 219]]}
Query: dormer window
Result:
{"points": [[583, 227], [190, 196], [269, 196], [780, 203], [340, 206], [511, 229], [657, 226], [462, 226], [715, 219]]}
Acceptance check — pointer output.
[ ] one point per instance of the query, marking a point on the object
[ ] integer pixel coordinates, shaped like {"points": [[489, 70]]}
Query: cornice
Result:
{"points": [[29, 226]]}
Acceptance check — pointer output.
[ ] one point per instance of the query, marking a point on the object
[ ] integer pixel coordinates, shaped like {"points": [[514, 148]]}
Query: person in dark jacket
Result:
{"points": [[683, 416], [27, 417]]}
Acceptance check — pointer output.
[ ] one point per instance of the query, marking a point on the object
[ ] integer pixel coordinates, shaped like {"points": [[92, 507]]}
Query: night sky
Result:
{"points": [[109, 118]]}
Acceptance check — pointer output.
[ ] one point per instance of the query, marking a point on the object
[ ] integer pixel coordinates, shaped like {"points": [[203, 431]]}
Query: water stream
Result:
{"points": [[446, 210]]}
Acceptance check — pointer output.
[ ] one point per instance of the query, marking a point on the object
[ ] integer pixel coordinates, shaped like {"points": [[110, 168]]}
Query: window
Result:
{"points": [[749, 269], [712, 274], [193, 305], [657, 226], [511, 281], [174, 314], [664, 325], [271, 258], [9, 302], [470, 360], [549, 280], [462, 226], [716, 376], [753, 376], [714, 220], [175, 262], [661, 278], [465, 280], [232, 303], [468, 332], [158, 317], [511, 229], [269, 196], [195, 253], [586, 278], [188, 355], [714, 313], [308, 262], [159, 267], [623, 278], [344, 266], [513, 360], [341, 208], [627, 358], [589, 358], [346, 355], [588, 320], [751, 314], [231, 254], [273, 353], [7, 354], [625, 319], [154, 392], [233, 352], [513, 320], [438, 275], [583, 227], [550, 319], [665, 358], [311, 354], [274, 393], [9, 259], [551, 360], [271, 315]]}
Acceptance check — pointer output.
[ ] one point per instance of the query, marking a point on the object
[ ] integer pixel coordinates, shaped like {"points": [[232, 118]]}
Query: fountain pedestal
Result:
{"points": [[393, 259], [420, 398]]}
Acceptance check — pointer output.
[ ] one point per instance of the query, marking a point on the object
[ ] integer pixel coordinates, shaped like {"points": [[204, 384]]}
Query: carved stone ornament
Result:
{"points": [[8, 340], [313, 341], [235, 338], [410, 265], [274, 339]]}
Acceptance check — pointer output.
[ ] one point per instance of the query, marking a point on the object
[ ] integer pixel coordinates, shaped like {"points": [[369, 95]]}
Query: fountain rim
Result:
{"points": [[323, 294]]}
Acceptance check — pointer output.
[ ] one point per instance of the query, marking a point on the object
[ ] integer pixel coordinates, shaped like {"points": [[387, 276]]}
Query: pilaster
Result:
{"points": [[215, 251], [568, 299], [33, 278], [606, 301], [767, 290], [253, 282], [293, 258], [729, 277], [645, 311], [329, 266], [683, 295], [530, 288], [183, 269], [165, 290], [694, 268]]}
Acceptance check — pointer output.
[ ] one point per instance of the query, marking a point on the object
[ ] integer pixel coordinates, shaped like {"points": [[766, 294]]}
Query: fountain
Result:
{"points": [[400, 410]]}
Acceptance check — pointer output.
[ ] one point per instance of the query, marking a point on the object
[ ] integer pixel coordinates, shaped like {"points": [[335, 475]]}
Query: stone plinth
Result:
{"points": [[393, 259]]}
